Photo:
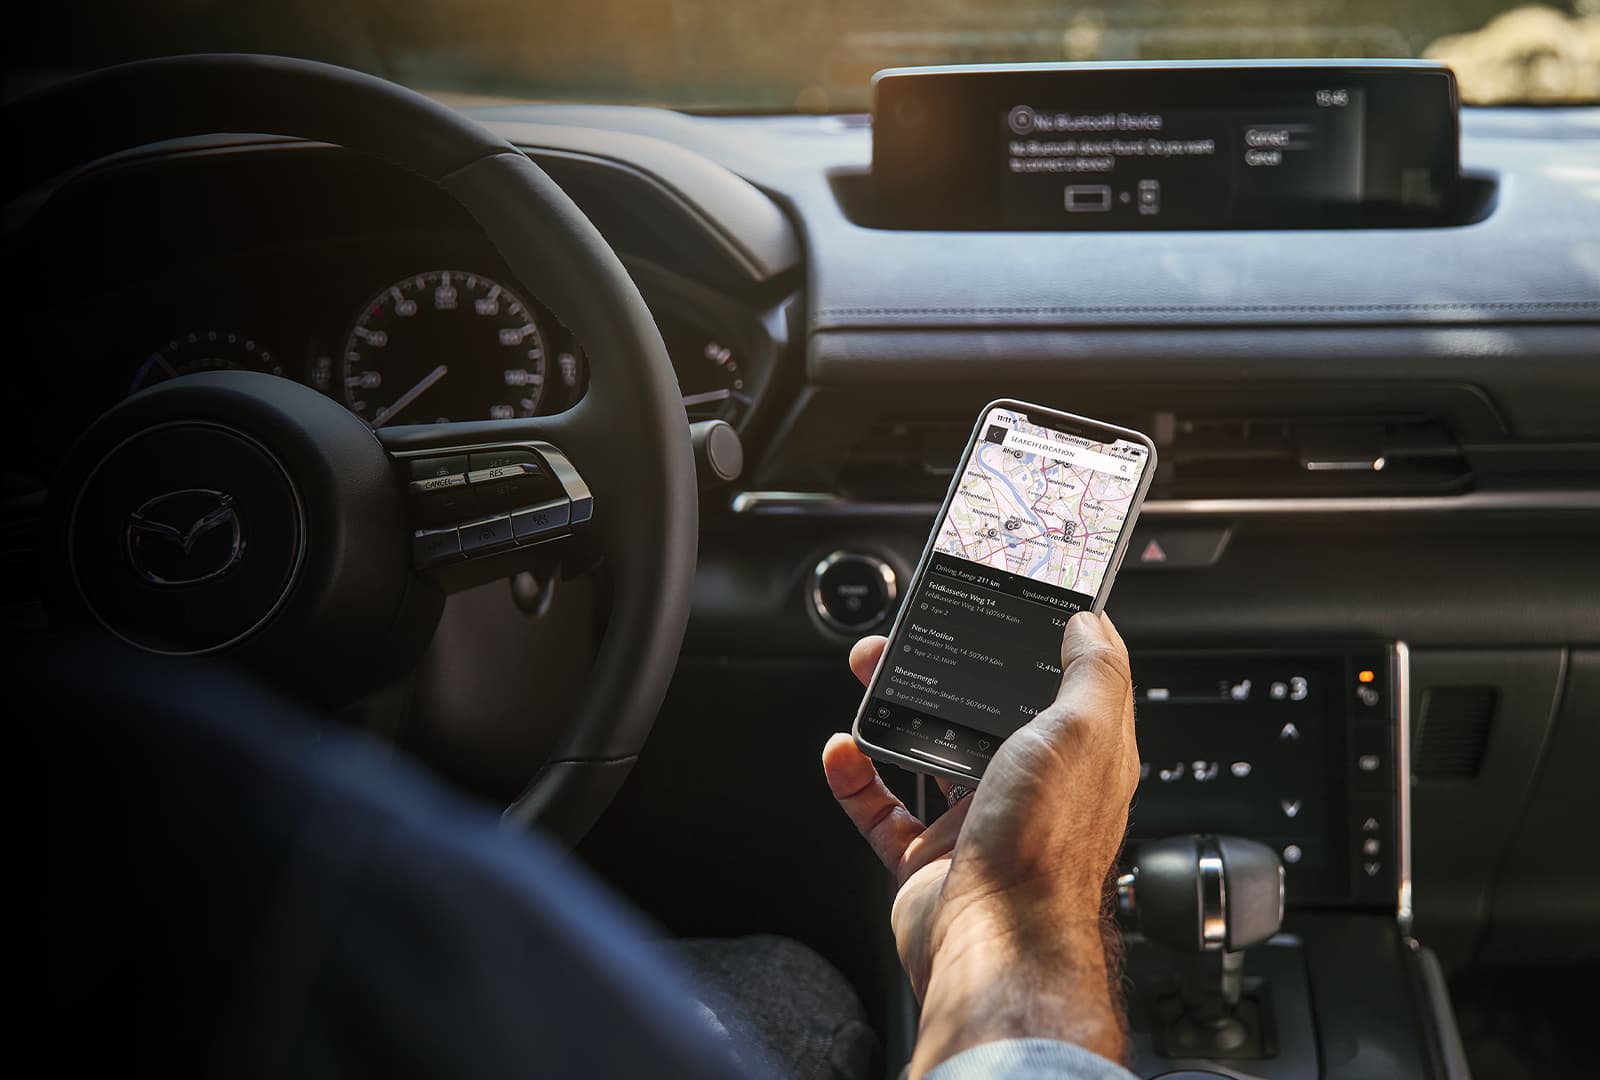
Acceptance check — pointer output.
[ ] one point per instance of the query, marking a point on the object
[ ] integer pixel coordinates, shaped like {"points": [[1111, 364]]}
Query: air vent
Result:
{"points": [[1222, 456], [1453, 731], [903, 460], [1201, 456]]}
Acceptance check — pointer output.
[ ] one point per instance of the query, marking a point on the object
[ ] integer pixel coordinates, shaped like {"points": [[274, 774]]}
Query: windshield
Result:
{"points": [[816, 55]]}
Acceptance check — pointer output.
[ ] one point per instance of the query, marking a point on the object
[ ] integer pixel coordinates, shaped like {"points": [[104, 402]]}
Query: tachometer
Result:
{"points": [[204, 350], [444, 345]]}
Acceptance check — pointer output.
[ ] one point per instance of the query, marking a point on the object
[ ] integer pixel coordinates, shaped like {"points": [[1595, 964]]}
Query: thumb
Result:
{"points": [[1096, 678]]}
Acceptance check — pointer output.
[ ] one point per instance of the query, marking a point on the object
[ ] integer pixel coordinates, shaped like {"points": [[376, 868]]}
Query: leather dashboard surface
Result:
{"points": [[1534, 258]]}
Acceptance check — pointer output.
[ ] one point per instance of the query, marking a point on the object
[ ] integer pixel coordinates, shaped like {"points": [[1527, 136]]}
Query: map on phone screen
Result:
{"points": [[1041, 503]]}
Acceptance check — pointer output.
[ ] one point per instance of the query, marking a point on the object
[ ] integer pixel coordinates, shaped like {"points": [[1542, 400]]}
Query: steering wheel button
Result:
{"points": [[500, 473], [438, 483], [482, 536], [432, 468], [495, 459], [430, 547], [539, 522], [445, 506], [510, 487]]}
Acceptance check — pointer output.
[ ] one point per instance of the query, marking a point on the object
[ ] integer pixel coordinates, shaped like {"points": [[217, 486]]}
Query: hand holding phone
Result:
{"points": [[1032, 531], [998, 930]]}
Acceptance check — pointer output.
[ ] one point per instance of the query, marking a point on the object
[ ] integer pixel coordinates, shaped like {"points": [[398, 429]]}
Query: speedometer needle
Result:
{"points": [[399, 404]]}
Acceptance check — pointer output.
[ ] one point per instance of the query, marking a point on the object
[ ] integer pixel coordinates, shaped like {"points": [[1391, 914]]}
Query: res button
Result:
{"points": [[508, 479]]}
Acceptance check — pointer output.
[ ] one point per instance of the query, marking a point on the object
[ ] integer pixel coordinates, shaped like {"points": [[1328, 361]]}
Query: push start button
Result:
{"points": [[852, 591]]}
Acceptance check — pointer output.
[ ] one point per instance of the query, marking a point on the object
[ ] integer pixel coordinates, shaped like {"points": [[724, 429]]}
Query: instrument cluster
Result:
{"points": [[336, 272], [431, 345]]}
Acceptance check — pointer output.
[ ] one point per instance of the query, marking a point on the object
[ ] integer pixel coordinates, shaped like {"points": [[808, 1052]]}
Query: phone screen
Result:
{"points": [[1030, 536]]}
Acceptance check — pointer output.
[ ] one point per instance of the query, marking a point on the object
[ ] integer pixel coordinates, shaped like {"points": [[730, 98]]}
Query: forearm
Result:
{"points": [[990, 984]]}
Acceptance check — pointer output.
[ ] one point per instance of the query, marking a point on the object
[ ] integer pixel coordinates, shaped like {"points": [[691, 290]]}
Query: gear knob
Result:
{"points": [[1199, 894]]}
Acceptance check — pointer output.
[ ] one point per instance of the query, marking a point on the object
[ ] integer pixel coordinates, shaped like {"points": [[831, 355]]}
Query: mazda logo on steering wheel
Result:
{"points": [[185, 537]]}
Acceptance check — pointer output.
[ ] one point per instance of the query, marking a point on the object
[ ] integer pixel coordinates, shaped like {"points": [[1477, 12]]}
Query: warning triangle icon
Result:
{"points": [[1153, 552]]}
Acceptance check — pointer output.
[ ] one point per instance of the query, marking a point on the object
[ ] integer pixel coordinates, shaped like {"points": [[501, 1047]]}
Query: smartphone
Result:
{"points": [[1032, 531]]}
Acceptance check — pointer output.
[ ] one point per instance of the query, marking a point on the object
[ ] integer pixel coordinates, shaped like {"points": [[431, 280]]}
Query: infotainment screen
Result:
{"points": [[1166, 146]]}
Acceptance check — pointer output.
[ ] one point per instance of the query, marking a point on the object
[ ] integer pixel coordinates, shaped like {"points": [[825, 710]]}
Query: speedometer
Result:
{"points": [[444, 345]]}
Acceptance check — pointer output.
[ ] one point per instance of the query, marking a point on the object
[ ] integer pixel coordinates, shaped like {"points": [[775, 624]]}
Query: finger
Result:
{"points": [[883, 820], [936, 841], [1111, 630], [864, 656], [1116, 636], [1096, 684], [1096, 695], [1094, 662]]}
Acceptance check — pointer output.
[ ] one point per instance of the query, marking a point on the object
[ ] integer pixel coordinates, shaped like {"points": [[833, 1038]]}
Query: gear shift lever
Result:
{"points": [[1211, 897]]}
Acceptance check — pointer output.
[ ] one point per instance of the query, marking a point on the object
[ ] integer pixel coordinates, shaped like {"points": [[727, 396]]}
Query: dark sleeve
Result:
{"points": [[238, 891]]}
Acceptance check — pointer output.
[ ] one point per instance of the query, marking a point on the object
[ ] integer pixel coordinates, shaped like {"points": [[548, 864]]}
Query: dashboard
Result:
{"points": [[382, 296]]}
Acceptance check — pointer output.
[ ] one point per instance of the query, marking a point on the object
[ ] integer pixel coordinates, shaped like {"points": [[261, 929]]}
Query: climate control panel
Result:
{"points": [[1301, 749]]}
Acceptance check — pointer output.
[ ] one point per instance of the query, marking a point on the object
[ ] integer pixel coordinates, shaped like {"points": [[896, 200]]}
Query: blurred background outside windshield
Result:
{"points": [[807, 55]]}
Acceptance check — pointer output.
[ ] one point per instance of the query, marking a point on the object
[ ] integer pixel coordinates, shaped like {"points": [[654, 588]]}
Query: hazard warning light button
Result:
{"points": [[1157, 548]]}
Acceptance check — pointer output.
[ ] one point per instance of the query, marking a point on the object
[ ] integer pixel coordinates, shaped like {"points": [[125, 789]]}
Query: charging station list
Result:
{"points": [[977, 655]]}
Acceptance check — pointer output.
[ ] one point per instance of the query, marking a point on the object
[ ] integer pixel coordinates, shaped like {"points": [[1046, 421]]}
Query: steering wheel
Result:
{"points": [[240, 514]]}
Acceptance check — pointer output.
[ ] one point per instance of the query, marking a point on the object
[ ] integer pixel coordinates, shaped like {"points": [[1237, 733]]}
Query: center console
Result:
{"points": [[1265, 891], [1266, 748], [1300, 749]]}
